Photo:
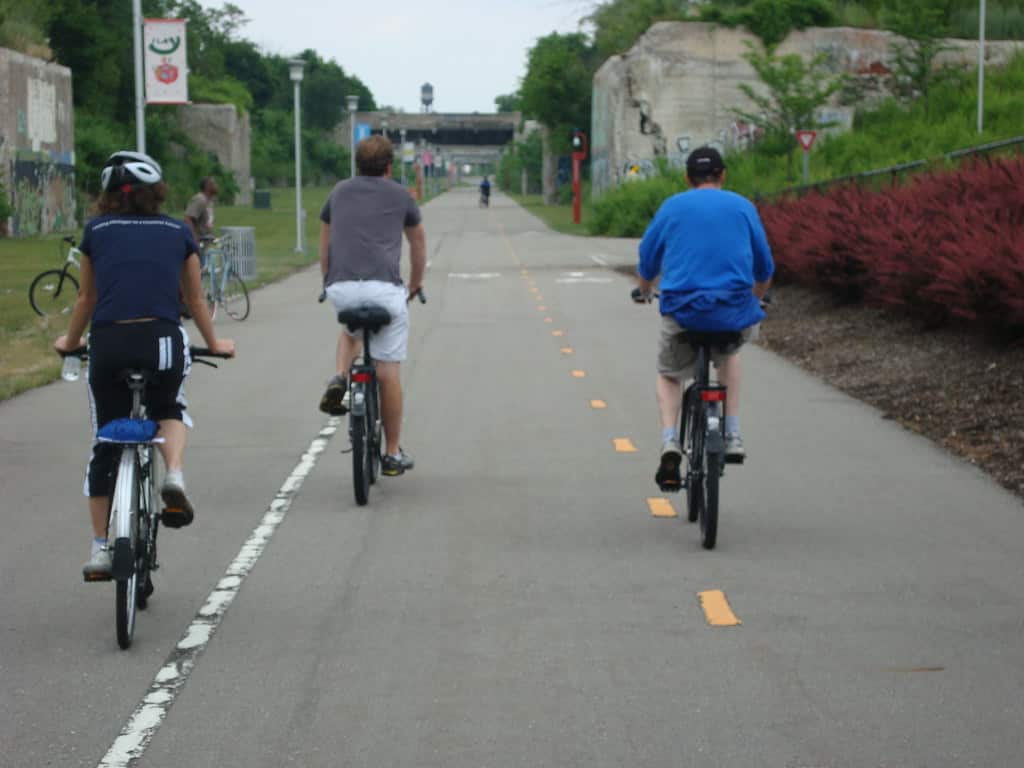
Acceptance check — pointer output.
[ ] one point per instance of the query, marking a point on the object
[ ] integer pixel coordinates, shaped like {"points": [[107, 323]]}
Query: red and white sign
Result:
{"points": [[165, 60], [806, 139]]}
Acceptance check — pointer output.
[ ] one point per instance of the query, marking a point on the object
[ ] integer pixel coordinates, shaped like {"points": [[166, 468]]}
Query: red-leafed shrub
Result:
{"points": [[949, 245]]}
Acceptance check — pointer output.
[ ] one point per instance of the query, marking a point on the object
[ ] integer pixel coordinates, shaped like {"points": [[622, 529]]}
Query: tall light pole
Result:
{"points": [[353, 105], [401, 154], [140, 92], [981, 66], [295, 73], [384, 126]]}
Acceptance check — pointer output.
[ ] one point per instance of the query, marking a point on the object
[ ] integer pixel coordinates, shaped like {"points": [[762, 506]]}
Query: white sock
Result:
{"points": [[175, 477], [98, 544]]}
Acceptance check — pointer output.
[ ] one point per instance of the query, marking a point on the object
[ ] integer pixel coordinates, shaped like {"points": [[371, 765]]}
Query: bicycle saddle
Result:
{"points": [[712, 338], [129, 375], [368, 316]]}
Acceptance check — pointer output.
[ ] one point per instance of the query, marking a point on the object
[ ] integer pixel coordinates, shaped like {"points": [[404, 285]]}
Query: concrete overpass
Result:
{"points": [[472, 138]]}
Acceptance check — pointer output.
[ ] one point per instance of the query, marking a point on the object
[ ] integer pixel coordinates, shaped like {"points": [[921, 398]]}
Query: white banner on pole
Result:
{"points": [[166, 62]]}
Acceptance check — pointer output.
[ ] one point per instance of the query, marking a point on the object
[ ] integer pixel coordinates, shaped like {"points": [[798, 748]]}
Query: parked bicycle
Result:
{"points": [[702, 430], [55, 291], [222, 284], [365, 424], [134, 514]]}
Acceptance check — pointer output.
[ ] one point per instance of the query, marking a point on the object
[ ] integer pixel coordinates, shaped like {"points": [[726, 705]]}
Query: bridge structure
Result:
{"points": [[474, 139]]}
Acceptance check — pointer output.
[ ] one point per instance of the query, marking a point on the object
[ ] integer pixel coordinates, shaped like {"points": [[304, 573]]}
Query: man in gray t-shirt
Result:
{"points": [[361, 228]]}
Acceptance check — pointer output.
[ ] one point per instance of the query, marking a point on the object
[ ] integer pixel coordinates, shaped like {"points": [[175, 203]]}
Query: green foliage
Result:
{"points": [[923, 28], [795, 89], [225, 90], [891, 134], [557, 87], [618, 23], [5, 205], [1002, 22], [508, 102], [772, 20], [523, 154]]}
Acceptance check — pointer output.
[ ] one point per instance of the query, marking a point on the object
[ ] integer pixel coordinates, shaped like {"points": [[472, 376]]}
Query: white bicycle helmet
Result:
{"points": [[127, 167]]}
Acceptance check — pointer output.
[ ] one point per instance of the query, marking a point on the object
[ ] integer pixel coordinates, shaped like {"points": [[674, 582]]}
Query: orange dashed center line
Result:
{"points": [[624, 445], [549, 320], [661, 508], [542, 309], [558, 333], [598, 405], [717, 610], [578, 374], [566, 350]]}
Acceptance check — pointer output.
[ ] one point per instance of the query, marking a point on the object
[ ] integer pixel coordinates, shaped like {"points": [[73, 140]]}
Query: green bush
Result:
{"points": [[223, 90], [772, 20], [523, 154]]}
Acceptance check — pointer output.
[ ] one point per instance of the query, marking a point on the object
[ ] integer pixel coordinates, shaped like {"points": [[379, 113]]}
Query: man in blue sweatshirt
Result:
{"points": [[711, 251]]}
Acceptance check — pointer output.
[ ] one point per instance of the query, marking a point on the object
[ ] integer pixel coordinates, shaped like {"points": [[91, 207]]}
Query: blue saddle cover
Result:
{"points": [[128, 431]]}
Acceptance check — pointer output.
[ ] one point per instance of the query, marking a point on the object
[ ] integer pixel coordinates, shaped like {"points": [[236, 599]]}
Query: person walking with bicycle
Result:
{"points": [[199, 215], [711, 251], [361, 228], [134, 259]]}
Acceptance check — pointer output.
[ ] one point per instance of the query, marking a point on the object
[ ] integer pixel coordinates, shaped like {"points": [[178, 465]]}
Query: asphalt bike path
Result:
{"points": [[521, 597]]}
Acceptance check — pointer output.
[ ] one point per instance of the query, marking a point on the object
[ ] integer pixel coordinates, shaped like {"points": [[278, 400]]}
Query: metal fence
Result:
{"points": [[240, 250], [895, 172]]}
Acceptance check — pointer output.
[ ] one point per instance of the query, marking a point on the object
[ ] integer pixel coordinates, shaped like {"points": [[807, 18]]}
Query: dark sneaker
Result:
{"points": [[734, 453], [393, 466], [333, 403], [668, 476]]}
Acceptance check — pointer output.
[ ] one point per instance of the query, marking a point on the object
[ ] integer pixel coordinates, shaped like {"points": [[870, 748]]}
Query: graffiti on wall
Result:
{"points": [[44, 196]]}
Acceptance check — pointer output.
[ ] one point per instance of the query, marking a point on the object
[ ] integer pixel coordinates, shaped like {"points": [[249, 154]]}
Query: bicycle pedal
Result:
{"points": [[670, 487], [89, 578], [735, 459]]}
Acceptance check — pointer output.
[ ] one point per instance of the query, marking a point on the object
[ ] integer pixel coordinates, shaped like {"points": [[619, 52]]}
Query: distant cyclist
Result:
{"points": [[711, 251], [361, 230], [485, 192], [134, 260]]}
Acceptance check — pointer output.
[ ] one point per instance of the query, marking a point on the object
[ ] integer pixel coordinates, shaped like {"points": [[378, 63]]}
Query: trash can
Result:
{"points": [[261, 199], [240, 250]]}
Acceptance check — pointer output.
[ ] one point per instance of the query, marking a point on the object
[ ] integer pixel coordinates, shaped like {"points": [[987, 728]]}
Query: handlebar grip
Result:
{"points": [[207, 352], [322, 297], [82, 352], [422, 296]]}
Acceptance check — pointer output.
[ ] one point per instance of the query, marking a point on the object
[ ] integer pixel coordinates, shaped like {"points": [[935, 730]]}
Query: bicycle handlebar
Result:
{"points": [[419, 294], [639, 297], [196, 352], [69, 240]]}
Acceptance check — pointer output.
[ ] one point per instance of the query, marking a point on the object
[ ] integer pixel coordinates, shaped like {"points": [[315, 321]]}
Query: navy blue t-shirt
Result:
{"points": [[137, 261]]}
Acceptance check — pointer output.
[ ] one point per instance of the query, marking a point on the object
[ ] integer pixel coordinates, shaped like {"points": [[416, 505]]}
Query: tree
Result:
{"points": [[793, 90], [923, 28], [509, 102], [557, 87], [618, 23]]}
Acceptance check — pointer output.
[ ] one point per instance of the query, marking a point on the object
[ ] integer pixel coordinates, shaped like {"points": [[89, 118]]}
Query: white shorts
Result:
{"points": [[391, 343]]}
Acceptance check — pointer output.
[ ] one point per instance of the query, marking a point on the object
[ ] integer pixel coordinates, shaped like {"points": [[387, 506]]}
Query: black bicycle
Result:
{"points": [[702, 430], [134, 514], [365, 424], [55, 291]]}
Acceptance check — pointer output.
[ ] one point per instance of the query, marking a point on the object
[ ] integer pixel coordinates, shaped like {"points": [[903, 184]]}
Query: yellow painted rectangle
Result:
{"points": [[598, 405], [624, 445], [566, 350], [558, 333], [716, 609], [578, 374], [661, 508]]}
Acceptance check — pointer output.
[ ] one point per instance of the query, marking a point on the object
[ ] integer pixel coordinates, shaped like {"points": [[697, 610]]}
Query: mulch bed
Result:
{"points": [[961, 390]]}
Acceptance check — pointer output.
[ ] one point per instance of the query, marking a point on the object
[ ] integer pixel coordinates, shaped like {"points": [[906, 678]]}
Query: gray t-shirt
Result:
{"points": [[367, 217]]}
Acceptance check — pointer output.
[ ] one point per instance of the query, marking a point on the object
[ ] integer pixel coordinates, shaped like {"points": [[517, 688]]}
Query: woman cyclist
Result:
{"points": [[135, 260]]}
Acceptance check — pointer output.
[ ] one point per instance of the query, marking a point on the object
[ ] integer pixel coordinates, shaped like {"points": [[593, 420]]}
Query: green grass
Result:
{"points": [[26, 357], [558, 217]]}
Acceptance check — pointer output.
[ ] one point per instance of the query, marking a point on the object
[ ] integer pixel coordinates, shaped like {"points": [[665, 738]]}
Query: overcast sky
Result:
{"points": [[470, 50]]}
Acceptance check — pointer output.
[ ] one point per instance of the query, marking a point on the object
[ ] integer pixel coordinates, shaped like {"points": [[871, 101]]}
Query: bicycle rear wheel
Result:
{"points": [[148, 527], [709, 516], [53, 293], [210, 291], [360, 432], [374, 420], [235, 297], [693, 435]]}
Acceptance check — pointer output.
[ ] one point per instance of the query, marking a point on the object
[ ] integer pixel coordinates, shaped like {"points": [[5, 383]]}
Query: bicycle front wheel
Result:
{"points": [[210, 291], [235, 298], [709, 516], [124, 525], [53, 293]]}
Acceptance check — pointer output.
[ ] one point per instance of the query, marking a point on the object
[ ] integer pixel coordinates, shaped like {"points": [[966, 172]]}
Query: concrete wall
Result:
{"points": [[219, 128], [676, 88], [37, 143]]}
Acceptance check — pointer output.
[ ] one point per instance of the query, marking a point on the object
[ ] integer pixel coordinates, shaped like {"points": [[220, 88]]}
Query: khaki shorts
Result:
{"points": [[676, 357]]}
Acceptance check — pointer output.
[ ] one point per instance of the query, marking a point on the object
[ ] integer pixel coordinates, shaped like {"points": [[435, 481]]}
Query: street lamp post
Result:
{"points": [[140, 88], [401, 154], [295, 73], [384, 126], [981, 66], [353, 105]]}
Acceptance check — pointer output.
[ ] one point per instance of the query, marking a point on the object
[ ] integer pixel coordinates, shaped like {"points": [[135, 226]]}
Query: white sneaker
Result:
{"points": [[98, 567], [734, 451]]}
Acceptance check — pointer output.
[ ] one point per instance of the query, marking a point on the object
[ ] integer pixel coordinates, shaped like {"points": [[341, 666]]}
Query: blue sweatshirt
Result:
{"points": [[709, 247]]}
